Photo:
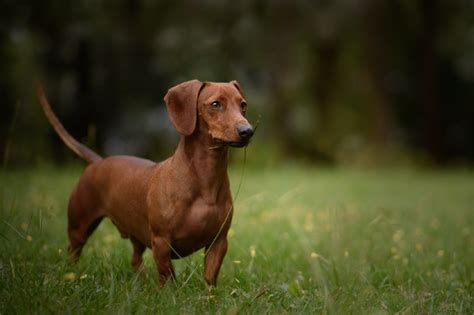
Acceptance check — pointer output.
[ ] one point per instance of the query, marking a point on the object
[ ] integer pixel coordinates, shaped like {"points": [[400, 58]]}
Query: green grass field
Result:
{"points": [[303, 240]]}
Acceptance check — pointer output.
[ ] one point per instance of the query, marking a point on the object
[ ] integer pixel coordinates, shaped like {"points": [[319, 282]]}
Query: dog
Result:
{"points": [[176, 206]]}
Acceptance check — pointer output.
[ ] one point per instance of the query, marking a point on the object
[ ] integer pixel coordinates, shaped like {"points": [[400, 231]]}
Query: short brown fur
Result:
{"points": [[177, 206]]}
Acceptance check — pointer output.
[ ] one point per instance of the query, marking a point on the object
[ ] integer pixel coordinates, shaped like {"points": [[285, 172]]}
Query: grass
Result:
{"points": [[303, 240]]}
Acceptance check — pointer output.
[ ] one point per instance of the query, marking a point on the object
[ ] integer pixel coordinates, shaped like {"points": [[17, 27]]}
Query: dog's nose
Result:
{"points": [[245, 131]]}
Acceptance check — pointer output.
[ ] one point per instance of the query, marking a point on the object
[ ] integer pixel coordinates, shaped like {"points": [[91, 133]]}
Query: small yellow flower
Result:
{"points": [[231, 233], [237, 262], [84, 276], [419, 247], [252, 251], [398, 235], [440, 253], [70, 276], [29, 238], [314, 255]]}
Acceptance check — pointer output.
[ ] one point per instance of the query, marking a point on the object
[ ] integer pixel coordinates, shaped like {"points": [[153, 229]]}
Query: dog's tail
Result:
{"points": [[78, 148]]}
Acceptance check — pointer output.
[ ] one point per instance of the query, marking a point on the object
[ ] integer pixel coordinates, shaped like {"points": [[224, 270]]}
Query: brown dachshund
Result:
{"points": [[177, 206]]}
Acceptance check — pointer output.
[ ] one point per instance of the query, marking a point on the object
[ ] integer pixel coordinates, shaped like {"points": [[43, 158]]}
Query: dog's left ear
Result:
{"points": [[181, 101], [237, 86]]}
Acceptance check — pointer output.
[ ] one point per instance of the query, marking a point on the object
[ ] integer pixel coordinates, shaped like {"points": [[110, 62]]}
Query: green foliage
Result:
{"points": [[302, 241]]}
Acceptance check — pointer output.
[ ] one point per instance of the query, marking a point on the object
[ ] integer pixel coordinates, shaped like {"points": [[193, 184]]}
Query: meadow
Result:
{"points": [[303, 240]]}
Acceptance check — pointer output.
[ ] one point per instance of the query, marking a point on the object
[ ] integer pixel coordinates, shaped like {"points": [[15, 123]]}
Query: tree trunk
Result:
{"points": [[429, 84], [376, 53]]}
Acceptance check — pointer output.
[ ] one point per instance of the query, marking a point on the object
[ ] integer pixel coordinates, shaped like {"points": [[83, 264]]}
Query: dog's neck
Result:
{"points": [[204, 162]]}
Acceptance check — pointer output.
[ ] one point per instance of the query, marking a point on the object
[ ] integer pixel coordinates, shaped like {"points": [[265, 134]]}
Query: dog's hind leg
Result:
{"points": [[81, 224], [137, 259]]}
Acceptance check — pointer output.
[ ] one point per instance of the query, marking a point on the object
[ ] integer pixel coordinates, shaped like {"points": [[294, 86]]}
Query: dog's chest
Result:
{"points": [[199, 226], [203, 219]]}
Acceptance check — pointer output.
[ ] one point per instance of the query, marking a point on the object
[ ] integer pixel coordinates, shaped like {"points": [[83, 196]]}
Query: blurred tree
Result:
{"points": [[331, 78], [429, 88], [377, 52], [326, 33]]}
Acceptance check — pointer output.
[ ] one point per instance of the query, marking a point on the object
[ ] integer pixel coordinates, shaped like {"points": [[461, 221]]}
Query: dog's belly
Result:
{"points": [[132, 225], [122, 183], [130, 217]]}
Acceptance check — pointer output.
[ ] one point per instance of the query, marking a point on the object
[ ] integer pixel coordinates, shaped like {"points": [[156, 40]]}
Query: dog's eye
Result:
{"points": [[243, 105], [216, 105]]}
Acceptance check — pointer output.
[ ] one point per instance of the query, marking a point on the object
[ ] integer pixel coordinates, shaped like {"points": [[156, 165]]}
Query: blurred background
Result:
{"points": [[347, 82]]}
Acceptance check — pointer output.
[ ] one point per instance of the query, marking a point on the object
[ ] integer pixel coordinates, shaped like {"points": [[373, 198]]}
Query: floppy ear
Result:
{"points": [[181, 101], [237, 86]]}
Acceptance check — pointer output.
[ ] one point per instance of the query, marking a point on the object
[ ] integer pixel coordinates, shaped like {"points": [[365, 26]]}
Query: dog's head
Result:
{"points": [[217, 110]]}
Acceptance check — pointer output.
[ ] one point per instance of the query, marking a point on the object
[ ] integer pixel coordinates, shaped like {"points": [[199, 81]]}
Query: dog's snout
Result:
{"points": [[245, 131]]}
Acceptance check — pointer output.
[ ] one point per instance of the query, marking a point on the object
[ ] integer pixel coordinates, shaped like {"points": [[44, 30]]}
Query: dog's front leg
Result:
{"points": [[213, 260], [162, 255]]}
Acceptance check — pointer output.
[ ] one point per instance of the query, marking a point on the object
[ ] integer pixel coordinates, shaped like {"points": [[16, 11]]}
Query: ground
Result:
{"points": [[303, 240]]}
